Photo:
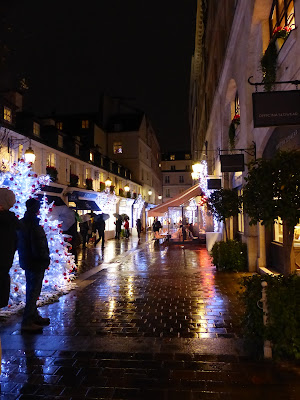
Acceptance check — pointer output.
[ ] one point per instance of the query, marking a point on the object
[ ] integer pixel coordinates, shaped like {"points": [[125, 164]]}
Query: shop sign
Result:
{"points": [[232, 162], [213, 184], [276, 108]]}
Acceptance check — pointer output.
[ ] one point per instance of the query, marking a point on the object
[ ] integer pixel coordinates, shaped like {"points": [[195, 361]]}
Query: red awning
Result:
{"points": [[176, 201]]}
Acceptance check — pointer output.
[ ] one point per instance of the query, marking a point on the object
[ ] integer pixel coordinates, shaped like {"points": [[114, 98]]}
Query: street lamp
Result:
{"points": [[160, 197], [126, 188], [150, 192], [29, 155], [108, 182], [196, 171]]}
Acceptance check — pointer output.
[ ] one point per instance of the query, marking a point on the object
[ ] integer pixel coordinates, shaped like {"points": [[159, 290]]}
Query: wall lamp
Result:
{"points": [[29, 153], [108, 182]]}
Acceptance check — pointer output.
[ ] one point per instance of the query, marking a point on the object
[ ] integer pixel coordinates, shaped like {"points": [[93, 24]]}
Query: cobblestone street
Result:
{"points": [[146, 321]]}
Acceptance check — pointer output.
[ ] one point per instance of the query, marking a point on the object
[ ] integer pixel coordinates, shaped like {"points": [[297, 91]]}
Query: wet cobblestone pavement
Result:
{"points": [[146, 321]]}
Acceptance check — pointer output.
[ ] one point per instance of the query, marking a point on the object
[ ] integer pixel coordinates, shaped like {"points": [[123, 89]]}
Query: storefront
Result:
{"points": [[284, 139], [181, 217]]}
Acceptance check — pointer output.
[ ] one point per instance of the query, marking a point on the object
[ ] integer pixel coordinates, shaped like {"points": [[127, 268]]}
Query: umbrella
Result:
{"points": [[65, 215], [116, 215], [124, 216], [104, 216]]}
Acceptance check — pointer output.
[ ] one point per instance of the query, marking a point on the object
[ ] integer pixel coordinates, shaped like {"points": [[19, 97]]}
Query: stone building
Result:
{"points": [[231, 37]]}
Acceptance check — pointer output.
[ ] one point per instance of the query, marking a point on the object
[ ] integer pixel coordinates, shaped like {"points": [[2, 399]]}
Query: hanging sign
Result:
{"points": [[276, 108], [232, 162]]}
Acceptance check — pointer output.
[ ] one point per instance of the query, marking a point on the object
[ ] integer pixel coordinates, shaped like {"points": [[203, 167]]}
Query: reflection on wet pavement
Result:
{"points": [[153, 322]]}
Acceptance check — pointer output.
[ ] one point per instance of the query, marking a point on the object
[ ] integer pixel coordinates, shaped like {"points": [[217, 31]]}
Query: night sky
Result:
{"points": [[70, 54]]}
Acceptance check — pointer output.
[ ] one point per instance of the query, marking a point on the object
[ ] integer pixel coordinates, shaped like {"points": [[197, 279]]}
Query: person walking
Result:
{"points": [[118, 224], [100, 227], [139, 227], [34, 259], [8, 242], [126, 227]]}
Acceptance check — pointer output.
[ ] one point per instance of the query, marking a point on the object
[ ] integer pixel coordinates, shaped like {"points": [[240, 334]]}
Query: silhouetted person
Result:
{"points": [[8, 242], [139, 227], [34, 259], [118, 224], [100, 227]]}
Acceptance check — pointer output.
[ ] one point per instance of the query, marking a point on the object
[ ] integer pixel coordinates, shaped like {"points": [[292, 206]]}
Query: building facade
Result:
{"points": [[231, 38], [78, 173], [176, 170]]}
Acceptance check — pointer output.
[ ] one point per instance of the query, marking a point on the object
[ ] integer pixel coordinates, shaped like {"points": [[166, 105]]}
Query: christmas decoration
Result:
{"points": [[25, 183]]}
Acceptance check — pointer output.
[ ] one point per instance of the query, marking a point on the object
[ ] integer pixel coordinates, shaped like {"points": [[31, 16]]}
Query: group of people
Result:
{"points": [[90, 226], [29, 238]]}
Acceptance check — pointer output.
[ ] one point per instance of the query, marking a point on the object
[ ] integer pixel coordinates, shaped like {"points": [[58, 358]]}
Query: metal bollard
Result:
{"points": [[267, 343]]}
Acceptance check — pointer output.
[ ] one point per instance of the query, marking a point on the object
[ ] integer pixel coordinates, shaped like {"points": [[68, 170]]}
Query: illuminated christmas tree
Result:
{"points": [[25, 183]]}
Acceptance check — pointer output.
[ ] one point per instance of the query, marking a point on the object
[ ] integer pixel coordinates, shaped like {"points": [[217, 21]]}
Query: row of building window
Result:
{"points": [[181, 179]]}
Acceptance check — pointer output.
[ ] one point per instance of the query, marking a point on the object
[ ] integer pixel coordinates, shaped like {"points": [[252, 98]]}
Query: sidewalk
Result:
{"points": [[152, 322]]}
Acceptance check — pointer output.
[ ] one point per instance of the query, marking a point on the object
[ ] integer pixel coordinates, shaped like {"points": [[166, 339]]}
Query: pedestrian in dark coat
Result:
{"points": [[118, 224], [8, 242], [34, 259], [100, 227], [139, 227]]}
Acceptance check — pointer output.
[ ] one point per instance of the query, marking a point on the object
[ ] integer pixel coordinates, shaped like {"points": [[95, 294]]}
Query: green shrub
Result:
{"points": [[283, 328], [230, 255]]}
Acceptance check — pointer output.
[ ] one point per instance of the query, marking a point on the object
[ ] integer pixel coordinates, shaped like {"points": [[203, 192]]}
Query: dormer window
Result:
{"points": [[76, 149], [7, 115], [91, 156], [59, 126], [85, 124], [172, 157], [36, 129], [117, 148]]}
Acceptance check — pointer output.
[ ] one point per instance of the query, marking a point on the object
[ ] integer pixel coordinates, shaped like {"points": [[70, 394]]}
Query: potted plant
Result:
{"points": [[121, 192], [269, 59], [134, 195], [128, 195], [74, 180], [89, 183], [52, 172], [112, 189], [102, 186]]}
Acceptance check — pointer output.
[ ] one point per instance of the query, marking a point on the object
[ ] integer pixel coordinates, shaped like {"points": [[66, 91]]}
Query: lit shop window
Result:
{"points": [[51, 160], [36, 129], [117, 148], [85, 124], [278, 232], [7, 116]]}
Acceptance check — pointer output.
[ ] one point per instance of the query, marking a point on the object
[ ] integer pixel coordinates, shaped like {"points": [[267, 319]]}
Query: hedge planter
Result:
{"points": [[230, 255], [52, 172], [74, 180], [283, 323]]}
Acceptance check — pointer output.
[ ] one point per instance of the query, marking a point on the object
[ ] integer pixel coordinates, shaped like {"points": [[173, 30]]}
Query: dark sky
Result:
{"points": [[70, 53]]}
